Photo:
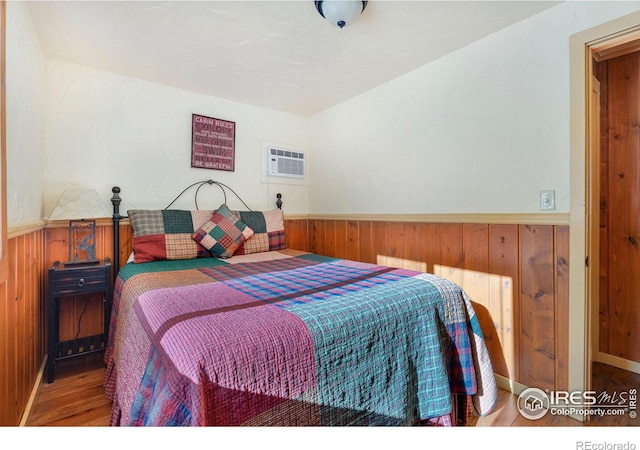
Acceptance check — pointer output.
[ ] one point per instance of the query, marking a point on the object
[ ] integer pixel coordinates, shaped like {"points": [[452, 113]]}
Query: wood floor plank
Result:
{"points": [[75, 398], [503, 415]]}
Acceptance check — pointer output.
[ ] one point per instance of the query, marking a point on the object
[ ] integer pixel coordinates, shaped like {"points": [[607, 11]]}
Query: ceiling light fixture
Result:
{"points": [[340, 12]]}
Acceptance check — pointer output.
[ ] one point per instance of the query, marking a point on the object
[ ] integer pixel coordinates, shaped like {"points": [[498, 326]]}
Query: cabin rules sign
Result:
{"points": [[212, 143]]}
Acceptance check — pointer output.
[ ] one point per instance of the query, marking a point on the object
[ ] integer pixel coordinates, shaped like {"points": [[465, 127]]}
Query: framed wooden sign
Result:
{"points": [[212, 143]]}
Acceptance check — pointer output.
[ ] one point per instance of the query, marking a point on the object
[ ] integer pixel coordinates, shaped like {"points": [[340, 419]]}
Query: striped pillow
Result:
{"points": [[224, 233]]}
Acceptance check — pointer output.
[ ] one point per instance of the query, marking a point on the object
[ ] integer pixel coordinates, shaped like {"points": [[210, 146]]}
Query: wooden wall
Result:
{"points": [[517, 276], [22, 324]]}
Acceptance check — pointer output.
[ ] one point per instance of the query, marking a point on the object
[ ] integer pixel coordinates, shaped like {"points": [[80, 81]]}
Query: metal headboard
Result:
{"points": [[117, 217]]}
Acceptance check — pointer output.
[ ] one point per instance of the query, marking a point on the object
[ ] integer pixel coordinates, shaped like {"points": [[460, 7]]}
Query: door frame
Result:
{"points": [[584, 194]]}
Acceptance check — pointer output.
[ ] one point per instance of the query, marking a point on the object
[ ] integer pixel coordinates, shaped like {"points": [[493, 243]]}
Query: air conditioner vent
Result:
{"points": [[285, 163]]}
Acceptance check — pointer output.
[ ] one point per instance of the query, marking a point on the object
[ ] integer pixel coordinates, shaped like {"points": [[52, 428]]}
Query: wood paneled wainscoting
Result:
{"points": [[22, 319], [515, 269], [516, 272]]}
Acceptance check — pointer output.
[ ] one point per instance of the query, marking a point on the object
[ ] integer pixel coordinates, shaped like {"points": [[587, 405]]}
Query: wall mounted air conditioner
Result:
{"points": [[285, 163]]}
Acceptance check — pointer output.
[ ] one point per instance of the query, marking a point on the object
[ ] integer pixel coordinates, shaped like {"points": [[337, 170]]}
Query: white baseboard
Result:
{"points": [[509, 385], [615, 361], [34, 394]]}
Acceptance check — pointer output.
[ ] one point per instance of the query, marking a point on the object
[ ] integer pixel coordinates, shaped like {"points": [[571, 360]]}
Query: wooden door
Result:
{"points": [[620, 199]]}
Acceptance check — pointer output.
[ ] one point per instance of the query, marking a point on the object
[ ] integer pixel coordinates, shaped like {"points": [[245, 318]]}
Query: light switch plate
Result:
{"points": [[547, 200]]}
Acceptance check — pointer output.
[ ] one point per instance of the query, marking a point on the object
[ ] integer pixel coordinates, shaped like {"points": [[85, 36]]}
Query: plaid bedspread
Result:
{"points": [[297, 340]]}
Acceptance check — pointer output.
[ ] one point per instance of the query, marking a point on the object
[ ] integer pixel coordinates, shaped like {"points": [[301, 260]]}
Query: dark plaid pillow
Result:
{"points": [[166, 234], [223, 233]]}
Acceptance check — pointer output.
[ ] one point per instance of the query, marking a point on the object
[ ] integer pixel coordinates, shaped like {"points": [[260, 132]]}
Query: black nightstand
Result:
{"points": [[70, 280]]}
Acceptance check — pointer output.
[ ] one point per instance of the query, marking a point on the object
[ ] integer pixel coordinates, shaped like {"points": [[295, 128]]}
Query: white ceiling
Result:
{"points": [[275, 54]]}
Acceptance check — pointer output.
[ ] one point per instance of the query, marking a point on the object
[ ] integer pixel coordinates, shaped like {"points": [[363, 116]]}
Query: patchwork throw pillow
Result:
{"points": [[166, 234], [268, 231], [224, 233]]}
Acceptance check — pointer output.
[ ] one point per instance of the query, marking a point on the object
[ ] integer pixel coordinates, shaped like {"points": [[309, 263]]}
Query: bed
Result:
{"points": [[252, 333]]}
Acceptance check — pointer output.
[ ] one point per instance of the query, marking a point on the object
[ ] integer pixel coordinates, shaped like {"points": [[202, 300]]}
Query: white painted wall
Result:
{"points": [[25, 117], [481, 130], [105, 129]]}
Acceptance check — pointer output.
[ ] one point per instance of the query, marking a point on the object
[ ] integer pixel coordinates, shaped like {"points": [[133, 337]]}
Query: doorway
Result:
{"points": [[614, 203]]}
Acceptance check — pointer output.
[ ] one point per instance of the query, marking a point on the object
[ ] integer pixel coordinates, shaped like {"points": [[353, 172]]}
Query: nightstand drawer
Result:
{"points": [[79, 283]]}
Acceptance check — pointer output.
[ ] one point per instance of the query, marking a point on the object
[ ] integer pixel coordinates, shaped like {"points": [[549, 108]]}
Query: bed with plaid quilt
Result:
{"points": [[292, 338]]}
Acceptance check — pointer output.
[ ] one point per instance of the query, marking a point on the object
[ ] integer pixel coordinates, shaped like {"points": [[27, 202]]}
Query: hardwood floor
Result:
{"points": [[76, 398]]}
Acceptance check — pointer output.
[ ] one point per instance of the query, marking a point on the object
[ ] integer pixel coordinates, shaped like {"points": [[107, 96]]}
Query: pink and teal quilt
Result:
{"points": [[295, 339]]}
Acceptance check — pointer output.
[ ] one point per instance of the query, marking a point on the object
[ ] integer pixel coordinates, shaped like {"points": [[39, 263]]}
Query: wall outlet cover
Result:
{"points": [[547, 200]]}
